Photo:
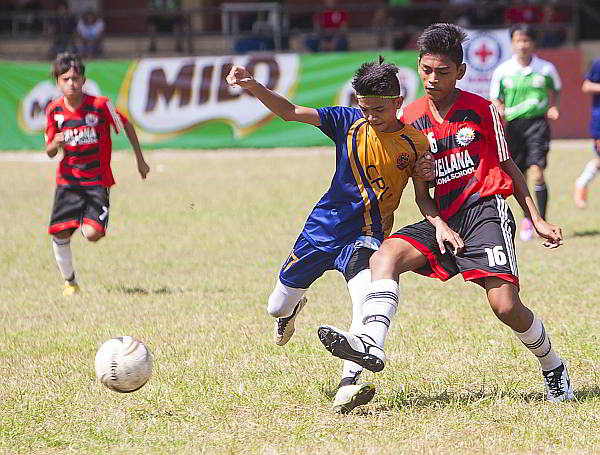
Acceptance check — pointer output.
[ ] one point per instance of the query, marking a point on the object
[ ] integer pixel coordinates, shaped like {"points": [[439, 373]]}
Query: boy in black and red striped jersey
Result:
{"points": [[468, 226], [80, 124]]}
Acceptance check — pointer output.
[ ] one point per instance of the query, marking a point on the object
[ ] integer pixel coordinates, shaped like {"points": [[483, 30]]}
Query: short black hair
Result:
{"points": [[376, 79], [65, 61], [442, 39], [526, 29]]}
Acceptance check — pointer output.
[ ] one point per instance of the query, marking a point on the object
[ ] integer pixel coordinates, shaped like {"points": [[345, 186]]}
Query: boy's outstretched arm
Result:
{"points": [[143, 167], [282, 107], [521, 192]]}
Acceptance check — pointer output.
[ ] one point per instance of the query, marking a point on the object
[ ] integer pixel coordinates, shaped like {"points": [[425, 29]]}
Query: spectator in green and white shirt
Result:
{"points": [[525, 89]]}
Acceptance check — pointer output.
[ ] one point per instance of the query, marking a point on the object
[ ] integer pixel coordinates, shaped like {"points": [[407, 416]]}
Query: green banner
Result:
{"points": [[186, 103]]}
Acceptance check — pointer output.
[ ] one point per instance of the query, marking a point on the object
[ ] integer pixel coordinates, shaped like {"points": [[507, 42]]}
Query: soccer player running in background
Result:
{"points": [[525, 90], [591, 85], [468, 228], [80, 124], [375, 156]]}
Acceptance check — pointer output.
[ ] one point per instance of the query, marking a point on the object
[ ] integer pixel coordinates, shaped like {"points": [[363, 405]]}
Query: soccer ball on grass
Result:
{"points": [[123, 364]]}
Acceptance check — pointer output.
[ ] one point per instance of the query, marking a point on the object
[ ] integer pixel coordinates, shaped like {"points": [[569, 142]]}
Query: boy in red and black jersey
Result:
{"points": [[468, 226], [80, 125], [468, 147]]}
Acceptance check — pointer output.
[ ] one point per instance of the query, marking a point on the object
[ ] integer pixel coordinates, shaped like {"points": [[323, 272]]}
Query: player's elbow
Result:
{"points": [[289, 115], [585, 87]]}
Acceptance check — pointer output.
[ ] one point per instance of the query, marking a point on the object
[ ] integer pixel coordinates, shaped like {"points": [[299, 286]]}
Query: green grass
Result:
{"points": [[190, 259]]}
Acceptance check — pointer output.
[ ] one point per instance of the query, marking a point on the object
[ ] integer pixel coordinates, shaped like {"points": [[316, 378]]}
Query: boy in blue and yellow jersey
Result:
{"points": [[375, 156]]}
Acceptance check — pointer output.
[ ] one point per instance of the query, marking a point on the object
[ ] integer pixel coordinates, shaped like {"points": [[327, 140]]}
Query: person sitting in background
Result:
{"points": [[62, 29], [166, 17], [474, 13], [552, 35], [330, 25], [261, 38], [521, 12], [90, 33]]}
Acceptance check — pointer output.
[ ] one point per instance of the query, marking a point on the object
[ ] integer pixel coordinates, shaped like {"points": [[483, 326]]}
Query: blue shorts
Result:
{"points": [[306, 263]]}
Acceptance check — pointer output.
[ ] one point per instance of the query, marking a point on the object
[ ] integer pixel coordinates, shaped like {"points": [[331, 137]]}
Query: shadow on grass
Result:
{"points": [[415, 401], [587, 393], [589, 233], [137, 290], [402, 400]]}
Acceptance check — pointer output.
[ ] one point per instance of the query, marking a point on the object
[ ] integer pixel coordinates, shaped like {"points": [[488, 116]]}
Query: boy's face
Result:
{"points": [[70, 83], [522, 44], [381, 112], [439, 75]]}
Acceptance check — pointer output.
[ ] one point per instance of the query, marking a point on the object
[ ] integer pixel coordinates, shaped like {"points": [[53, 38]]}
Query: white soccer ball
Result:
{"points": [[123, 364]]}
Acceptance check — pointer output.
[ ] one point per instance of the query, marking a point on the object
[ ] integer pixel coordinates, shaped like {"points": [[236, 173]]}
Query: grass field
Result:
{"points": [[190, 259]]}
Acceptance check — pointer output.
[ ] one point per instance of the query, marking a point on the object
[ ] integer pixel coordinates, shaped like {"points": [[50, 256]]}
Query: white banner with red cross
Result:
{"points": [[484, 51]]}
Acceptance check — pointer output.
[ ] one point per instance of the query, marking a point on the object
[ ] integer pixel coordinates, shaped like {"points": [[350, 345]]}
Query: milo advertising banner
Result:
{"points": [[186, 102]]}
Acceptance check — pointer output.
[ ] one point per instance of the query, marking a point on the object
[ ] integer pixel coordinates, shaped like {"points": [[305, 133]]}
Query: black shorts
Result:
{"points": [[76, 205], [487, 228], [528, 141], [358, 262]]}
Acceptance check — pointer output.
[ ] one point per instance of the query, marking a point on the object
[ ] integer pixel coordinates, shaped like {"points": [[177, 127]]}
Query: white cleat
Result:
{"points": [[350, 396], [284, 327], [558, 384], [360, 349]]}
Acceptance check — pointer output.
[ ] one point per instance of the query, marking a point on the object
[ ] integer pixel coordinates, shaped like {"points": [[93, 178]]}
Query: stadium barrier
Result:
{"points": [[184, 102]]}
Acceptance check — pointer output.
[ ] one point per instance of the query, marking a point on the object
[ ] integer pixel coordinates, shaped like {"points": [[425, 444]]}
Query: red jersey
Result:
{"points": [[468, 147], [88, 147]]}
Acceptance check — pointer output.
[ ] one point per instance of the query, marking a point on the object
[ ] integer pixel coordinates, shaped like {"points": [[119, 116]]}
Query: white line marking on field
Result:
{"points": [[173, 154]]}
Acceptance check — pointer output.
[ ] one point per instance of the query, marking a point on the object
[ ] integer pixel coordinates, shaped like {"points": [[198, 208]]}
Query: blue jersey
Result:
{"points": [[372, 170], [593, 75]]}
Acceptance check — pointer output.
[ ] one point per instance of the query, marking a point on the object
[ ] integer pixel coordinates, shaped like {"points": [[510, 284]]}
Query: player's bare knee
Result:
{"points": [[91, 234], [381, 263], [509, 311]]}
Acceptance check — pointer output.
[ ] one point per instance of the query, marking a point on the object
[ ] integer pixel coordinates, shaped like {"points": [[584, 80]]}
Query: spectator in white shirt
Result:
{"points": [[90, 33]]}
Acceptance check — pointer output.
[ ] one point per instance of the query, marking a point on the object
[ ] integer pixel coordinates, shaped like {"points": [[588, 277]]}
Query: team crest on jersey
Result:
{"points": [[465, 136], [402, 161], [91, 119]]}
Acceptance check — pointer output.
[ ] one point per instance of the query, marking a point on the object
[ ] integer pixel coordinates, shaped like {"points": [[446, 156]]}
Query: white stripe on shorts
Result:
{"points": [[505, 225]]}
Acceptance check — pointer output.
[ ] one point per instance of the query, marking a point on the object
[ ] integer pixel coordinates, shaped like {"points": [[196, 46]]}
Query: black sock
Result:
{"points": [[541, 194]]}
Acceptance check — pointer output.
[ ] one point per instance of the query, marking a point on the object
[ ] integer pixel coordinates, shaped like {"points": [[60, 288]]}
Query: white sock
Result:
{"points": [[64, 258], [588, 174], [379, 309], [536, 340], [357, 287], [283, 300]]}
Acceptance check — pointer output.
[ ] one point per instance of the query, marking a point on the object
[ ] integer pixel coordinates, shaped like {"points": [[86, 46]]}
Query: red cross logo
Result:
{"points": [[483, 53]]}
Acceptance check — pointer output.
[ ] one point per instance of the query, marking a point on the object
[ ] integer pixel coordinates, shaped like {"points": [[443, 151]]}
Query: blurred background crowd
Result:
{"points": [[34, 29]]}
